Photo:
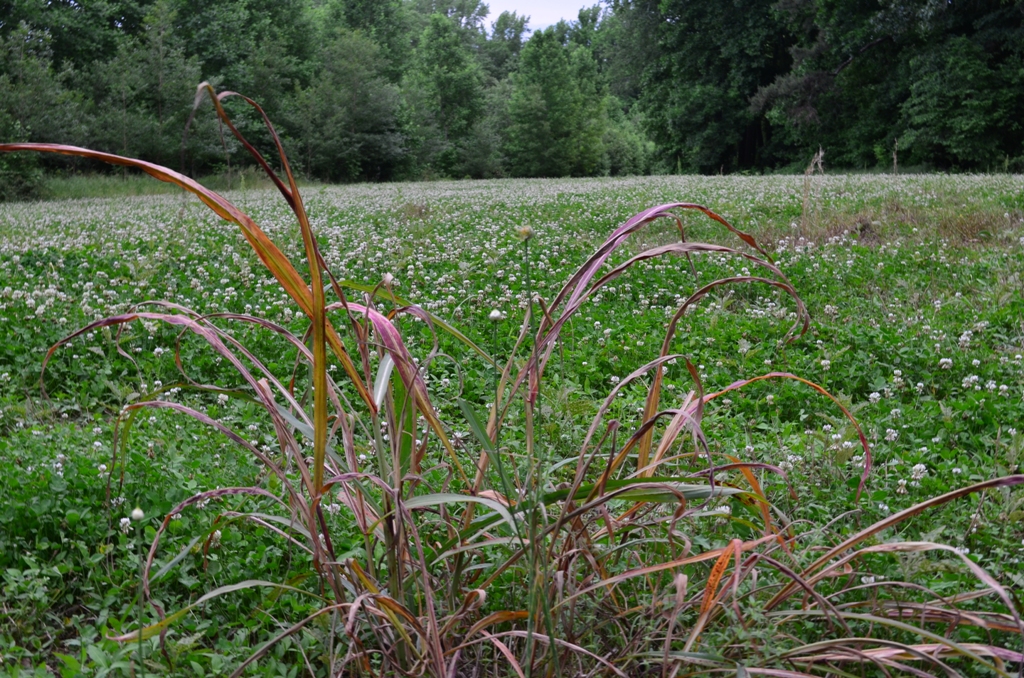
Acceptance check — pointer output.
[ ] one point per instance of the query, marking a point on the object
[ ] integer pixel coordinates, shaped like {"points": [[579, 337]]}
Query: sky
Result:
{"points": [[542, 13]]}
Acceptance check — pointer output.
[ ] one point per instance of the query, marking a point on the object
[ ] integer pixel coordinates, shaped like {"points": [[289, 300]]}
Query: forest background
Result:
{"points": [[378, 90]]}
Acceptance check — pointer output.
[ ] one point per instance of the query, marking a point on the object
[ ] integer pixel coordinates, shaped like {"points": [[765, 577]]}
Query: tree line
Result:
{"points": [[377, 90]]}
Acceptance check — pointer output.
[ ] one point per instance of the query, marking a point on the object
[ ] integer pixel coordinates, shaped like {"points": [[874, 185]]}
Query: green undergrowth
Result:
{"points": [[76, 186], [914, 286]]}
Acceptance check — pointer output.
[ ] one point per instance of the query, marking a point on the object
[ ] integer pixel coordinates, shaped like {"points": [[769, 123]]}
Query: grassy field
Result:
{"points": [[914, 289]]}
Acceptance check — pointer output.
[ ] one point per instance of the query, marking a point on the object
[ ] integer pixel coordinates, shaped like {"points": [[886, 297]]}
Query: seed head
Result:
{"points": [[525, 232], [495, 315]]}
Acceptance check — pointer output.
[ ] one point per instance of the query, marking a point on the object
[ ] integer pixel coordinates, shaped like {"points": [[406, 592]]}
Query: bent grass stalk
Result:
{"points": [[592, 573]]}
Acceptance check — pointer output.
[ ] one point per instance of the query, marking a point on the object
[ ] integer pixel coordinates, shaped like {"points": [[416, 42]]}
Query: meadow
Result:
{"points": [[584, 549]]}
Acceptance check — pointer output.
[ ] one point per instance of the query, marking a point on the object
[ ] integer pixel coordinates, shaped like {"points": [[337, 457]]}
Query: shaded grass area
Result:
{"points": [[899, 275], [131, 184]]}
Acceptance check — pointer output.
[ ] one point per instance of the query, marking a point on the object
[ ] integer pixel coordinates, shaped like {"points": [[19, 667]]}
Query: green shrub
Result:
{"points": [[20, 174]]}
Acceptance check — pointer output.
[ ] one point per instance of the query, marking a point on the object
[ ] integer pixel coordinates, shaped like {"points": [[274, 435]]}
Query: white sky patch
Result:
{"points": [[542, 13]]}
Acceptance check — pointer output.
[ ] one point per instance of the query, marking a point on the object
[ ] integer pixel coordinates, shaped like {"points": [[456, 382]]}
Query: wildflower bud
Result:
{"points": [[495, 315], [388, 278], [137, 514]]}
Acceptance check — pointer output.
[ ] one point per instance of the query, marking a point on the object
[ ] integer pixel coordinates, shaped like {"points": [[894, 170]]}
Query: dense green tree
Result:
{"points": [[260, 47], [79, 32], [388, 23], [445, 96], [143, 95], [121, 122], [629, 46], [20, 173], [867, 73], [501, 52], [36, 96], [468, 15], [344, 126], [958, 110], [557, 111], [711, 57], [627, 149], [173, 76], [380, 89]]}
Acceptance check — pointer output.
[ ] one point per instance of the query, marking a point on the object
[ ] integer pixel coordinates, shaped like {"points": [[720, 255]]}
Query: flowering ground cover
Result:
{"points": [[914, 289]]}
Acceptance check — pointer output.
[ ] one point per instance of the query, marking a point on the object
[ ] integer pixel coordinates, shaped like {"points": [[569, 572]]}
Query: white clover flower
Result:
{"points": [[215, 539], [901, 486], [334, 509], [126, 525], [614, 379], [918, 471], [826, 364], [891, 435], [896, 413], [874, 397], [102, 468], [222, 398], [946, 363]]}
